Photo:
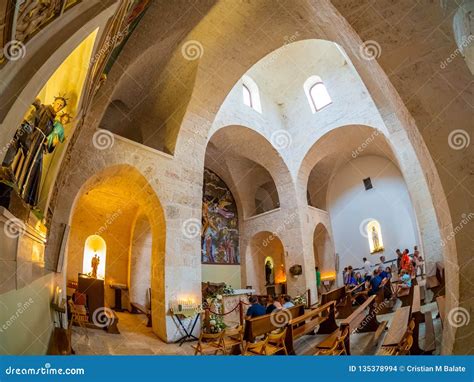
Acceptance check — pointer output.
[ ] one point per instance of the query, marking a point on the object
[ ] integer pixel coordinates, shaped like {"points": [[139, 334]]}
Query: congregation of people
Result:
{"points": [[369, 279], [266, 305]]}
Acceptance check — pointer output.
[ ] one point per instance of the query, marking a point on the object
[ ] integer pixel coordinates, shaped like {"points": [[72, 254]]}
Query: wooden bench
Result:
{"points": [[323, 317], [382, 306], [339, 296], [406, 295], [138, 308], [436, 282], [398, 327], [258, 326], [441, 302], [429, 344], [362, 320]]}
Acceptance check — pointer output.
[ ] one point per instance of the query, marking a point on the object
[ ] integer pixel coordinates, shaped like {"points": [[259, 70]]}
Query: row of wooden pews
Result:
{"points": [[362, 320]]}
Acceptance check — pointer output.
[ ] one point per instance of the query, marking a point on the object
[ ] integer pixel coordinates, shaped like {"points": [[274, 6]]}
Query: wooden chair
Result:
{"points": [[339, 347], [234, 337], [276, 343], [210, 343], [256, 348], [77, 318]]}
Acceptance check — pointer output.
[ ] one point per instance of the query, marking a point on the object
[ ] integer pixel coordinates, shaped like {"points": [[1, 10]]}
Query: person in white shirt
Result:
{"points": [[367, 267]]}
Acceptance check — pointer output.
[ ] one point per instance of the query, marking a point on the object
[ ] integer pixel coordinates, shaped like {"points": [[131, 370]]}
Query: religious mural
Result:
{"points": [[220, 232]]}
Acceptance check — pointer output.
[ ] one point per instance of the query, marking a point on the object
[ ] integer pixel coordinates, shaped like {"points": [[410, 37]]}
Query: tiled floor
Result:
{"points": [[136, 338]]}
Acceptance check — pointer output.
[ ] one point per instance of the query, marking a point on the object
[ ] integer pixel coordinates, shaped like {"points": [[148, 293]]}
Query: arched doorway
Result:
{"points": [[119, 205], [324, 255], [265, 264]]}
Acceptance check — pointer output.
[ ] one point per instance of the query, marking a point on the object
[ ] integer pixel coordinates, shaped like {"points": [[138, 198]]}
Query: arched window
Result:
{"points": [[251, 94], [374, 234], [317, 94], [93, 263], [247, 95]]}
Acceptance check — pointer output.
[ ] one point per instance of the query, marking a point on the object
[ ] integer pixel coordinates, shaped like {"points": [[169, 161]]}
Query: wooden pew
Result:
{"points": [[258, 326], [138, 308], [397, 329], [437, 282], [441, 302], [429, 342], [406, 295], [383, 307], [322, 316], [362, 320], [343, 299]]}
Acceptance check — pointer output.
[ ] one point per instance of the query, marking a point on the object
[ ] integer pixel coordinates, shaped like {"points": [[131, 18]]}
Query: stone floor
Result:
{"points": [[136, 338]]}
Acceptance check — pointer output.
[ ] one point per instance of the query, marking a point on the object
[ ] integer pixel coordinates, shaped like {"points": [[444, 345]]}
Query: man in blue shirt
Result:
{"points": [[375, 282], [255, 310]]}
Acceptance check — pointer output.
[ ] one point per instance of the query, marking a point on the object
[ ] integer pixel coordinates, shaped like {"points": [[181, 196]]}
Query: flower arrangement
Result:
{"points": [[216, 324], [299, 300]]}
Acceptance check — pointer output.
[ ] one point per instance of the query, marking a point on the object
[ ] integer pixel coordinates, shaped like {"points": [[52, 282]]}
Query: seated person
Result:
{"points": [[272, 304], [287, 302], [388, 273], [405, 280], [255, 309], [375, 282]]}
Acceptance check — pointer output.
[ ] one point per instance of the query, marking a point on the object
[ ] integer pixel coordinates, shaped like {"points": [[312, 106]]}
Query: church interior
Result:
{"points": [[259, 177]]}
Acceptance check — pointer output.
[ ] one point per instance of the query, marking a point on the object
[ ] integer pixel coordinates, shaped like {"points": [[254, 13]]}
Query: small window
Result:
{"points": [[251, 94], [317, 94], [247, 96]]}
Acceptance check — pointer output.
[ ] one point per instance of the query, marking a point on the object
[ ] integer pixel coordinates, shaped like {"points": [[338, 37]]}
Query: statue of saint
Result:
{"points": [[24, 158], [95, 264], [375, 239], [268, 272]]}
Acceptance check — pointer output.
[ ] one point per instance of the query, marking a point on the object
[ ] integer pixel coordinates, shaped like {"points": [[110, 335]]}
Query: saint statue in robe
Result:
{"points": [[94, 265], [268, 273], [24, 158], [375, 240]]}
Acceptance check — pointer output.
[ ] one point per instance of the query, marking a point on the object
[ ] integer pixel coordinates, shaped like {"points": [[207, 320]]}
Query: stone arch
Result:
{"points": [[243, 152], [326, 23], [127, 191]]}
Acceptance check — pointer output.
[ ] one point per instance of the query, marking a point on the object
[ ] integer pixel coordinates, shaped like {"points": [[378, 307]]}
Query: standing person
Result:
{"points": [[367, 267], [318, 279], [399, 260], [418, 261], [344, 276], [382, 261], [405, 263]]}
